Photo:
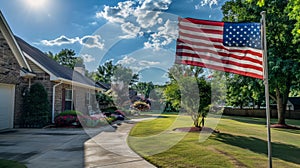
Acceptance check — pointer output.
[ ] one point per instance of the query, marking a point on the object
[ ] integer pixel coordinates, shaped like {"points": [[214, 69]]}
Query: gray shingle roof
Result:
{"points": [[52, 66]]}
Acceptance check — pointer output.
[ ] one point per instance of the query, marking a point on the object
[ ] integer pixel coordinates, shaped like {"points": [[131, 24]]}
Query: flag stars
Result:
{"points": [[242, 35]]}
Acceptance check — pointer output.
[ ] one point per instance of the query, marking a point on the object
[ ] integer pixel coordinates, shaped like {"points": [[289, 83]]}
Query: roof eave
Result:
{"points": [[70, 82], [8, 35]]}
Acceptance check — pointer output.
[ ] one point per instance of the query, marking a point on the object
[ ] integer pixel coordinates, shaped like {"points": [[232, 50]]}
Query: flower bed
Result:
{"points": [[75, 119]]}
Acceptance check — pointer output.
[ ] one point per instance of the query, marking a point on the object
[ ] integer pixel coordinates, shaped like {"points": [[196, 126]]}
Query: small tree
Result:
{"points": [[190, 91], [36, 106]]}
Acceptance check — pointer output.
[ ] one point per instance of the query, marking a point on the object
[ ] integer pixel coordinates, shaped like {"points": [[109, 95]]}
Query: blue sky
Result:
{"points": [[139, 34]]}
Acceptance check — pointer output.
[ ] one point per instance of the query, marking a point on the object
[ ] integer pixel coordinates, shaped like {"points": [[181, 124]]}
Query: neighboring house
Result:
{"points": [[21, 65], [293, 103]]}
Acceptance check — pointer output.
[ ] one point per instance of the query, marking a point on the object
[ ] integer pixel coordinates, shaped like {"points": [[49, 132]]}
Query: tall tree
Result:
{"points": [[65, 57], [144, 88], [105, 72], [121, 81], [283, 53], [244, 91], [294, 13]]}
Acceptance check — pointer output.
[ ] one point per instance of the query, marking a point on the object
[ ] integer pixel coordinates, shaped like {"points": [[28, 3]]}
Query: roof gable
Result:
{"points": [[54, 69]]}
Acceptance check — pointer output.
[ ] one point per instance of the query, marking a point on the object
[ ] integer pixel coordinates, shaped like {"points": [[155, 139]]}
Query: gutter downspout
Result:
{"points": [[53, 99]]}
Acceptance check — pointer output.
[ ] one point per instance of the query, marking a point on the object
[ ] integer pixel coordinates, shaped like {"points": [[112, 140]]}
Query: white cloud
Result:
{"points": [[92, 42], [148, 63], [147, 19], [138, 17], [136, 64], [130, 29], [87, 41], [93, 23], [127, 61], [60, 41], [117, 14], [87, 58], [165, 35], [206, 2]]}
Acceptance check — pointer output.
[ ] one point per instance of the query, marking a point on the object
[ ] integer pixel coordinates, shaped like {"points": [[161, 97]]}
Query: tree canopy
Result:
{"points": [[66, 57], [283, 51]]}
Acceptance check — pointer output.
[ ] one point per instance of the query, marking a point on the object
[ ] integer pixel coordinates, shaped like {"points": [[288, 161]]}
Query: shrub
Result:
{"points": [[111, 119], [141, 106], [67, 121], [109, 109], [36, 107], [71, 112]]}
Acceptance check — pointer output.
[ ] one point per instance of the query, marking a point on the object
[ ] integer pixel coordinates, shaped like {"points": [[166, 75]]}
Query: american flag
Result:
{"points": [[224, 46]]}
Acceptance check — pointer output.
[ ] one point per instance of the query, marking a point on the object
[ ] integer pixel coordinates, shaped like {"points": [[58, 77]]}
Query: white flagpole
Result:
{"points": [[266, 82]]}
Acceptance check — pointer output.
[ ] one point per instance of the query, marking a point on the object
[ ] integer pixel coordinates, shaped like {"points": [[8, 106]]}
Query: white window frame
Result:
{"points": [[88, 98], [68, 99]]}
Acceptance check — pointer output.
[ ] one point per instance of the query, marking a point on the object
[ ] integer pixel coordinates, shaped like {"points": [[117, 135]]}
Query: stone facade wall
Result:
{"points": [[79, 98], [59, 97], [10, 74], [9, 67]]}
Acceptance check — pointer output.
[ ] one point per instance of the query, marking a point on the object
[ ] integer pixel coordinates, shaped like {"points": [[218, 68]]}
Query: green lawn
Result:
{"points": [[240, 143], [10, 164]]}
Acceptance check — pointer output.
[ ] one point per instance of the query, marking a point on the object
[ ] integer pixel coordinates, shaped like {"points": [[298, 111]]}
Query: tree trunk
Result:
{"points": [[280, 107]]}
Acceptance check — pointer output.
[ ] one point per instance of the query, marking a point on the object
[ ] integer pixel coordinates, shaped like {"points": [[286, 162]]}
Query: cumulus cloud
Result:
{"points": [[92, 42], [135, 64], [206, 2], [60, 41], [139, 17], [87, 41], [130, 29], [148, 63], [165, 35], [117, 14], [127, 61], [87, 58], [93, 23]]}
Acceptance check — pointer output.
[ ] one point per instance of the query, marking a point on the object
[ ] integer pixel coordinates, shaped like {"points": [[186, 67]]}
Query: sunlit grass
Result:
{"points": [[240, 143]]}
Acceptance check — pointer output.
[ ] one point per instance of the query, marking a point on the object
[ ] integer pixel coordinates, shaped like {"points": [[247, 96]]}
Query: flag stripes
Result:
{"points": [[200, 43]]}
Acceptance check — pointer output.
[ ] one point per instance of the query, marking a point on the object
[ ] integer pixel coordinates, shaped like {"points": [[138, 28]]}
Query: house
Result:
{"points": [[293, 104], [21, 65]]}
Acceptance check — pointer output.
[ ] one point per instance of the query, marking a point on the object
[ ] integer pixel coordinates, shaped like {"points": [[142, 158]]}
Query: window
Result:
{"points": [[88, 98], [68, 99]]}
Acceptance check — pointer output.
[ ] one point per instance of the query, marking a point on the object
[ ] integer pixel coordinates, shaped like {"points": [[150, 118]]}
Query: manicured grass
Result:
{"points": [[10, 164], [240, 143]]}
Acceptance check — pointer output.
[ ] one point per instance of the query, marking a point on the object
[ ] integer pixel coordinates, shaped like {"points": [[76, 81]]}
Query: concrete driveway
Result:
{"points": [[63, 148], [46, 147]]}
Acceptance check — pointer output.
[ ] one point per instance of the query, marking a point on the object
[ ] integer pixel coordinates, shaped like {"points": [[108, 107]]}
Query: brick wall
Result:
{"points": [[10, 74], [9, 67], [79, 98]]}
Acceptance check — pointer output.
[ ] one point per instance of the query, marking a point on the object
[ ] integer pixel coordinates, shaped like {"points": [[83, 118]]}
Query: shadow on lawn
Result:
{"points": [[287, 130], [249, 120], [285, 152]]}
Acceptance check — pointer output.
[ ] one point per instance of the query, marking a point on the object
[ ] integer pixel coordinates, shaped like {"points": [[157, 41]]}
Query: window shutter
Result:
{"points": [[63, 98], [73, 100]]}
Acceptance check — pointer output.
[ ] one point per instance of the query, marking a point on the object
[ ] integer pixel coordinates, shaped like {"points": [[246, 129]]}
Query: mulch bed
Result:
{"points": [[196, 129], [285, 126]]}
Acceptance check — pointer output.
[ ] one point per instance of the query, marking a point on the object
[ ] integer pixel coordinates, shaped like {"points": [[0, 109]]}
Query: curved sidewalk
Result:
{"points": [[110, 150]]}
